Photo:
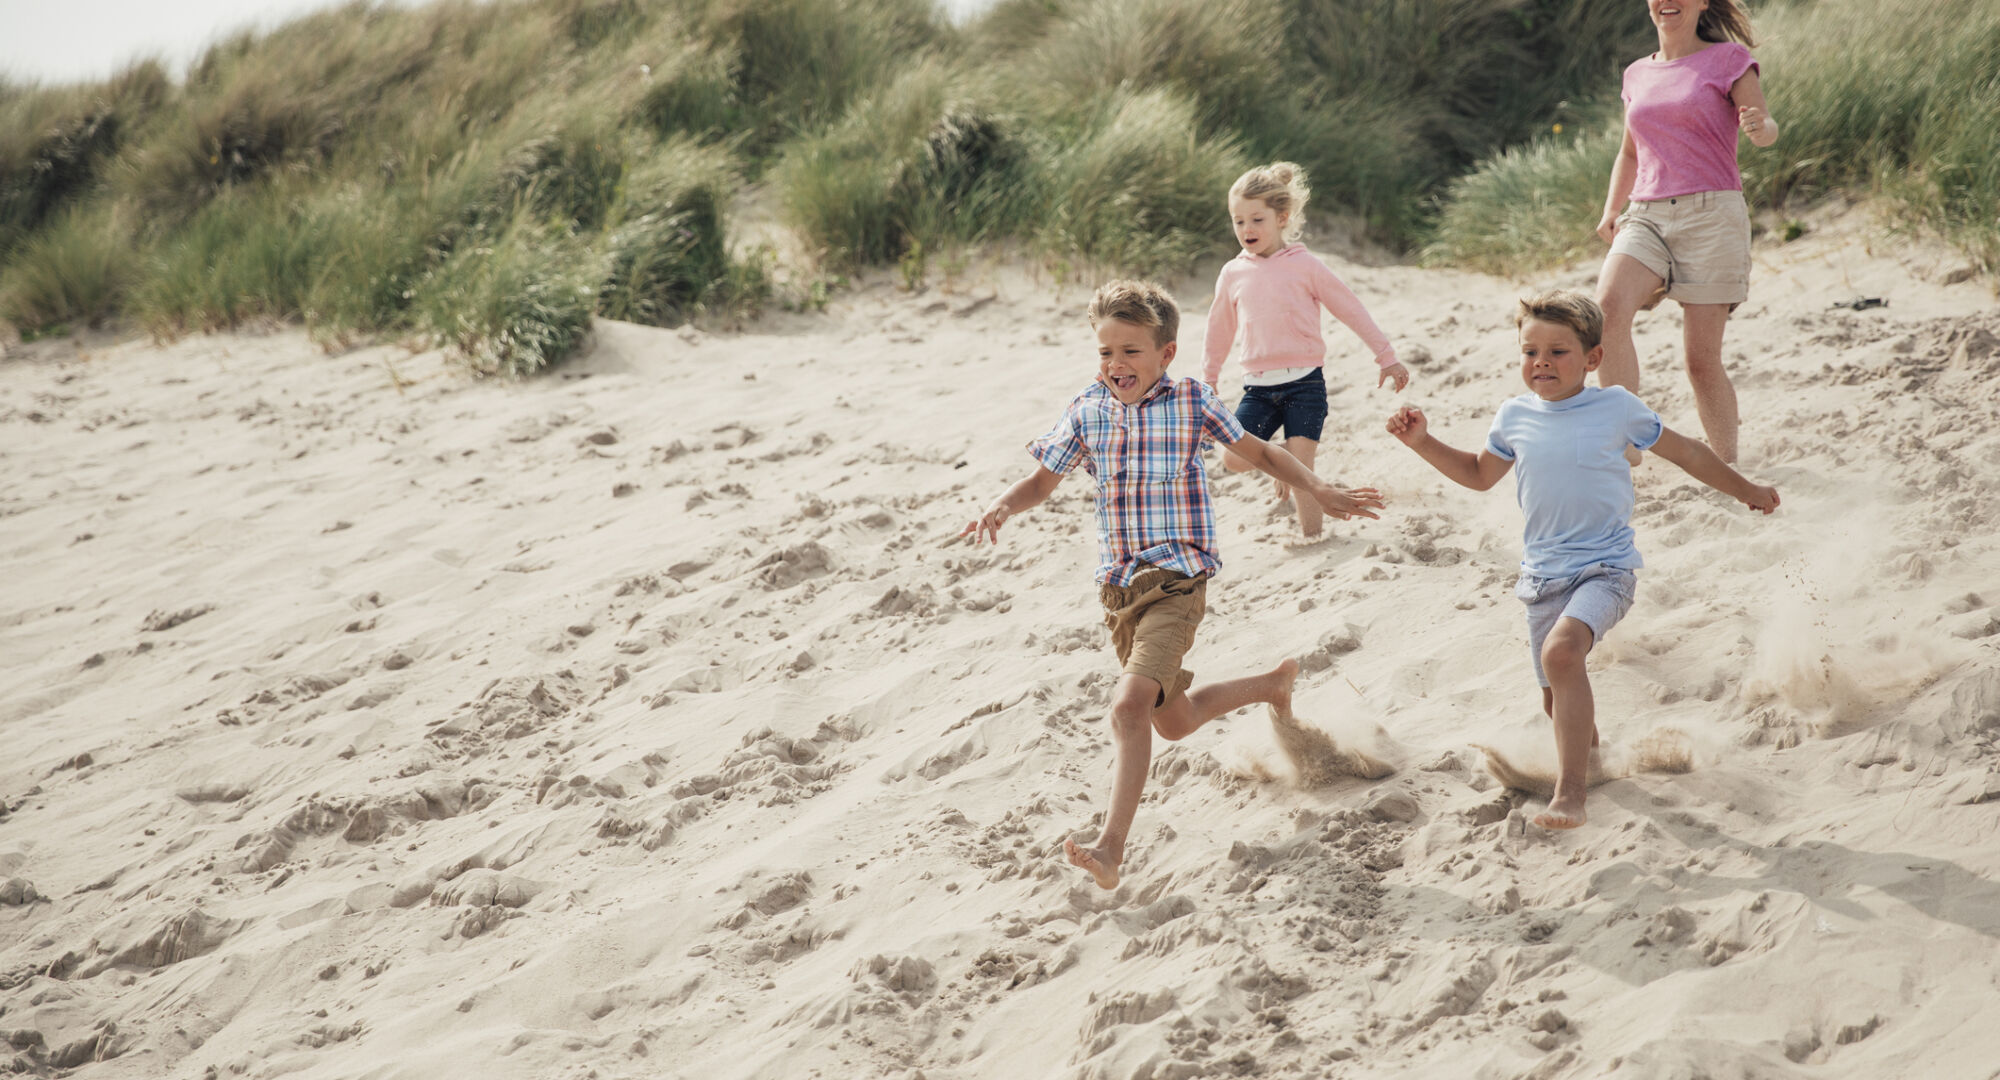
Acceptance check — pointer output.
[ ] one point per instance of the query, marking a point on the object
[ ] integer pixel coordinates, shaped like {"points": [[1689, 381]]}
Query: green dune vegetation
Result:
{"points": [[490, 176]]}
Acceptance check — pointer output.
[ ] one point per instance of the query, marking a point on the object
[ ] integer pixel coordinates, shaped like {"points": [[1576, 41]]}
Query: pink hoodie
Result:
{"points": [[1277, 300]]}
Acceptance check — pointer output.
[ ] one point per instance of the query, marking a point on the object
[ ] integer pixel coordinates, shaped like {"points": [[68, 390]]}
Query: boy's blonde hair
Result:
{"points": [[1282, 187], [1565, 307], [1140, 303]]}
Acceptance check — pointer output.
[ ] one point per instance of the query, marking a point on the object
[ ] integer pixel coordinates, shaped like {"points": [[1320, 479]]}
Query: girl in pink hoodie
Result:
{"points": [[1273, 290]]}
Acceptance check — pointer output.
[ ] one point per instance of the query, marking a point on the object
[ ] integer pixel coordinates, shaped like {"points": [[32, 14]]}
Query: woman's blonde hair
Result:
{"points": [[1282, 187], [1724, 21]]}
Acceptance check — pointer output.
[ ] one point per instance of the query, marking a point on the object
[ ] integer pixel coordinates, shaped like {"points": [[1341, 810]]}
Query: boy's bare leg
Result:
{"points": [[1309, 512], [1714, 395], [1233, 461], [1574, 711], [1183, 714], [1133, 719], [1132, 734], [1549, 710]]}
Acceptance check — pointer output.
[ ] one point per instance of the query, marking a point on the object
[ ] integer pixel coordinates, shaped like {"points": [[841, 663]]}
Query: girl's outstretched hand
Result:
{"points": [[1347, 503], [1408, 424], [1762, 499], [1397, 372]]}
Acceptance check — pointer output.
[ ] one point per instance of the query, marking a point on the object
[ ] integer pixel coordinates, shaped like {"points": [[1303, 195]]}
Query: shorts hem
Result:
{"points": [[1687, 293]]}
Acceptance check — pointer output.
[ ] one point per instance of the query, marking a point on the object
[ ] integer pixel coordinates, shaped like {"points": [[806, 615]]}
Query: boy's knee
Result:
{"points": [[1564, 652], [1130, 718]]}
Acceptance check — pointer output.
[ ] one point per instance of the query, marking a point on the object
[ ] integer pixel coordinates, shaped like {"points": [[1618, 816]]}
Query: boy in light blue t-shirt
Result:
{"points": [[1575, 488]]}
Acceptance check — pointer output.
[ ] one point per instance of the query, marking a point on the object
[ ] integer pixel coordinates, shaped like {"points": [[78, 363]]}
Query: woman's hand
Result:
{"points": [[1608, 227], [1757, 125]]}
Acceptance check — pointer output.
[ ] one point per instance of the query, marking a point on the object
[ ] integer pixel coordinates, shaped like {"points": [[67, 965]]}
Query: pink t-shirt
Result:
{"points": [[1683, 121], [1277, 300]]}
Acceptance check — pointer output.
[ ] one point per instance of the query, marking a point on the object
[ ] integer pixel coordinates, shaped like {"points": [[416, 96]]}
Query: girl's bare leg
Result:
{"points": [[1310, 515], [1714, 395]]}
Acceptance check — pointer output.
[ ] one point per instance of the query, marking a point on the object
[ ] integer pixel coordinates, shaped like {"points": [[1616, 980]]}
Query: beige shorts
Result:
{"points": [[1152, 625], [1698, 244]]}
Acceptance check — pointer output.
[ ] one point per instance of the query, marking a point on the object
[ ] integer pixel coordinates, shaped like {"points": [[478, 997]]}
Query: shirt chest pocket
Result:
{"points": [[1599, 448]]}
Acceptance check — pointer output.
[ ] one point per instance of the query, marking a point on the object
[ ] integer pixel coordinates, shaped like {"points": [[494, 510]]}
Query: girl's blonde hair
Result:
{"points": [[1723, 21], [1280, 186]]}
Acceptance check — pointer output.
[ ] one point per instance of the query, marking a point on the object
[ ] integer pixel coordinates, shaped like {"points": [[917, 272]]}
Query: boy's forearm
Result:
{"points": [[1456, 465], [1281, 465], [1025, 494], [1702, 464]]}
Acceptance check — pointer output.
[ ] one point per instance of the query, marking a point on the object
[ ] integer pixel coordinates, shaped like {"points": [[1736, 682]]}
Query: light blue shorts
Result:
{"points": [[1598, 597]]}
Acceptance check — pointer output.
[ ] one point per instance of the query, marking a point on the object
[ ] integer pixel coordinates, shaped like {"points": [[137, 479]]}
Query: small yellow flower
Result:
{"points": [[212, 159], [1558, 129]]}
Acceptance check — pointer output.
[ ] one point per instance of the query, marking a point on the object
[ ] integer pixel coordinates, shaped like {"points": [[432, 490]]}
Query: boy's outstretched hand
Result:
{"points": [[1347, 503], [1408, 424], [987, 525], [1763, 498]]}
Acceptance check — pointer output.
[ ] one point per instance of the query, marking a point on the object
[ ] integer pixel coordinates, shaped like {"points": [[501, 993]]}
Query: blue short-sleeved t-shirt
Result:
{"points": [[1571, 478]]}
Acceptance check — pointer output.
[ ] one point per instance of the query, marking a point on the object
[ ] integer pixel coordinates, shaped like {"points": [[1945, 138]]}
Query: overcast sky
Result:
{"points": [[53, 41]]}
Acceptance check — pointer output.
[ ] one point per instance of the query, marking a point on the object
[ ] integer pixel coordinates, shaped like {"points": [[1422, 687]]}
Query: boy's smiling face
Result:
{"points": [[1554, 361], [1129, 361]]}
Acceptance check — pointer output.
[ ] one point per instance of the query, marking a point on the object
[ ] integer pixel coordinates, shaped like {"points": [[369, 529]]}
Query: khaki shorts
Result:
{"points": [[1152, 625], [1698, 244]]}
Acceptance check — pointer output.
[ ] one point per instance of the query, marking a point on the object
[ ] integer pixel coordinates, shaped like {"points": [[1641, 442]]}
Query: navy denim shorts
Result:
{"points": [[1298, 406]]}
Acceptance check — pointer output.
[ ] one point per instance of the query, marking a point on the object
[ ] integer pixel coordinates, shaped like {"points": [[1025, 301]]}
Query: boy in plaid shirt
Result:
{"points": [[1140, 435]]}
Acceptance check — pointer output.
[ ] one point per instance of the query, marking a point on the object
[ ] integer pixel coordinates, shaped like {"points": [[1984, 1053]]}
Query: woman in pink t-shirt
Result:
{"points": [[1684, 231]]}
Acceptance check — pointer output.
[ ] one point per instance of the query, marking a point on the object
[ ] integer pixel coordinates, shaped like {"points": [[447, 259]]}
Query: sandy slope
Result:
{"points": [[361, 720]]}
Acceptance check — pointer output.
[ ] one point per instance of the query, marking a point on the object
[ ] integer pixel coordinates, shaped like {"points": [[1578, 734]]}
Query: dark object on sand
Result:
{"points": [[1862, 303]]}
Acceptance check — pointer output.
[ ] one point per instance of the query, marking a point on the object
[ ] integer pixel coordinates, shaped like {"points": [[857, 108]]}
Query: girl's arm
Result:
{"points": [[1477, 471], [1753, 115], [1221, 330], [1624, 173], [1334, 294], [1698, 461]]}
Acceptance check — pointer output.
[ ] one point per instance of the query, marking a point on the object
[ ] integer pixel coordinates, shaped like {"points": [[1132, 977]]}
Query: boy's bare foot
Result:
{"points": [[1100, 862], [1301, 543], [1633, 455], [1281, 491], [1563, 813], [1283, 676]]}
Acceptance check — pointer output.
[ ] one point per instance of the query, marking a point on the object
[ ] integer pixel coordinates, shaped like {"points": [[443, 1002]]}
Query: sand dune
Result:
{"points": [[362, 720]]}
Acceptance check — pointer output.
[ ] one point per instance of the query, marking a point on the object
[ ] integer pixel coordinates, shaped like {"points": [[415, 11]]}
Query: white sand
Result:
{"points": [[638, 721]]}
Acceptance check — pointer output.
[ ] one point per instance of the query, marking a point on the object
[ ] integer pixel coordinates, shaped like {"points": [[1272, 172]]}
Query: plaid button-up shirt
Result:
{"points": [[1152, 491]]}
